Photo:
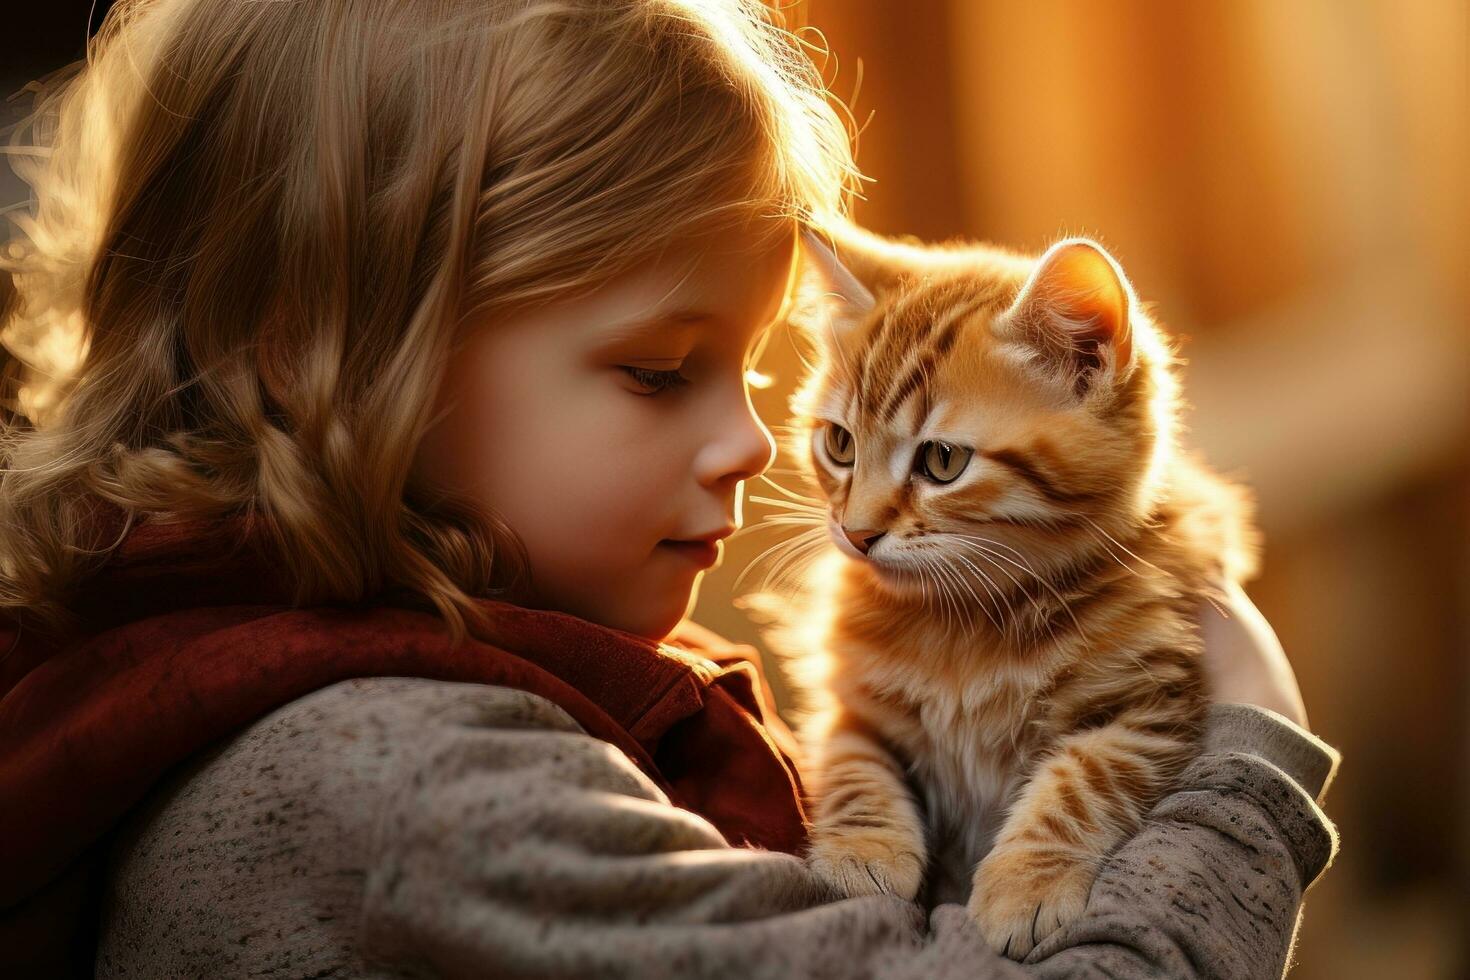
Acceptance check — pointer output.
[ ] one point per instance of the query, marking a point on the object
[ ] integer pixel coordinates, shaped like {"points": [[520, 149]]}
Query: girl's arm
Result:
{"points": [[1244, 660], [410, 827], [568, 862]]}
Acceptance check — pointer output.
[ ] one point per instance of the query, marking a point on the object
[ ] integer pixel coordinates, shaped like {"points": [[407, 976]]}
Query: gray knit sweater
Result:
{"points": [[401, 827]]}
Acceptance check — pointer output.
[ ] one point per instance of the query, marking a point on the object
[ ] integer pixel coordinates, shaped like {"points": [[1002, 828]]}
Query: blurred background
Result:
{"points": [[1286, 181]]}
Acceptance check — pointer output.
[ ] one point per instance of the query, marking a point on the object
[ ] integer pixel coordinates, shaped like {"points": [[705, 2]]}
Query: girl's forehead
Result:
{"points": [[669, 297], [700, 278], [756, 236]]}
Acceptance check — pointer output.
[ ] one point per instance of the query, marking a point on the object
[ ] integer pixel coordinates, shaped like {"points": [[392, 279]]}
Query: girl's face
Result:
{"points": [[606, 427]]}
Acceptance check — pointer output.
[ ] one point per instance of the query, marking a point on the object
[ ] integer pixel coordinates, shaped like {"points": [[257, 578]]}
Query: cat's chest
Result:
{"points": [[965, 758], [962, 740], [964, 753]]}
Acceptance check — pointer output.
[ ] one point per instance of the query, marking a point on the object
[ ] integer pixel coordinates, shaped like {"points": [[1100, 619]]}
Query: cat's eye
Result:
{"points": [[942, 461], [837, 441]]}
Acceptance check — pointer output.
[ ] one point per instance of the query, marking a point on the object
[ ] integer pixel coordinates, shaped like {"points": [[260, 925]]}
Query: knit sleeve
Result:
{"points": [[401, 827], [1212, 885], [522, 846]]}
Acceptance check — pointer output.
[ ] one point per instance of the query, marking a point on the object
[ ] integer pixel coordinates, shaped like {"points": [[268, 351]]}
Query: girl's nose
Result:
{"points": [[742, 448]]}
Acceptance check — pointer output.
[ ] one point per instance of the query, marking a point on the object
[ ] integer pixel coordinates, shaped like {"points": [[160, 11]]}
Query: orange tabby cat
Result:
{"points": [[1011, 667]]}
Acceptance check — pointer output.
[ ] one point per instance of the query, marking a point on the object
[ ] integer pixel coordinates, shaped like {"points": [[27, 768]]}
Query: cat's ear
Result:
{"points": [[1075, 312], [831, 298]]}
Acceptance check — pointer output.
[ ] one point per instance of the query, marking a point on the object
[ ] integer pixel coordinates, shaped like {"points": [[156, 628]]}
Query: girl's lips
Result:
{"points": [[702, 553]]}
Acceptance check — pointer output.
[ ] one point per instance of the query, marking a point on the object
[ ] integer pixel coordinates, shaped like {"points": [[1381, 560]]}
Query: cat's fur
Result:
{"points": [[1012, 674]]}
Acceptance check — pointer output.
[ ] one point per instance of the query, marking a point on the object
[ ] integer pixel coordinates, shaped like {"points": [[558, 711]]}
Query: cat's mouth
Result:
{"points": [[883, 563]]}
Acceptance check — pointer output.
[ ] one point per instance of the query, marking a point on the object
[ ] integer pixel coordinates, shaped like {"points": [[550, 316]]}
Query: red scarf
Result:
{"points": [[191, 638]]}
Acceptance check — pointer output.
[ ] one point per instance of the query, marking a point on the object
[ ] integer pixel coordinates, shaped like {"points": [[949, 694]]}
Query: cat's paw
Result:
{"points": [[1022, 895], [874, 862]]}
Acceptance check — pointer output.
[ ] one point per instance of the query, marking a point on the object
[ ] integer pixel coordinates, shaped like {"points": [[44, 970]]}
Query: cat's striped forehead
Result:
{"points": [[915, 333]]}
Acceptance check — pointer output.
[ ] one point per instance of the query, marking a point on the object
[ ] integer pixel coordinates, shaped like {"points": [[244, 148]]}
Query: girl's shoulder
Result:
{"points": [[257, 854]]}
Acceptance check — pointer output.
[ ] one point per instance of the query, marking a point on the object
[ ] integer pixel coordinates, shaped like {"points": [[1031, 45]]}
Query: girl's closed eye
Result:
{"points": [[656, 381]]}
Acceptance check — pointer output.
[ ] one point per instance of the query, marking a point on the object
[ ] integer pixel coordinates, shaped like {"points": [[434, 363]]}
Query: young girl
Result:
{"points": [[383, 399]]}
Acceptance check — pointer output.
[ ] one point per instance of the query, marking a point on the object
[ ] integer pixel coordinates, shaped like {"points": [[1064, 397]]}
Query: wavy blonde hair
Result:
{"points": [[256, 229]]}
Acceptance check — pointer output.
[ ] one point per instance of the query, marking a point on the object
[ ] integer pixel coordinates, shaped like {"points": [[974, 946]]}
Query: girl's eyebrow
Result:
{"points": [[656, 324]]}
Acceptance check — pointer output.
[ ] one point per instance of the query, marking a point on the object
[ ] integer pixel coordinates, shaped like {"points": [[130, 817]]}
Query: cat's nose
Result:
{"points": [[862, 540]]}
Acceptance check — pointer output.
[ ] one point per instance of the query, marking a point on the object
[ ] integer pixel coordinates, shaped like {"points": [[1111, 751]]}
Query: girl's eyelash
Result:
{"points": [[659, 381]]}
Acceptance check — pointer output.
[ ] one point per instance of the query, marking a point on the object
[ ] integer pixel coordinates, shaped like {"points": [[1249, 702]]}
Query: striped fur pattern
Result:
{"points": [[1005, 666]]}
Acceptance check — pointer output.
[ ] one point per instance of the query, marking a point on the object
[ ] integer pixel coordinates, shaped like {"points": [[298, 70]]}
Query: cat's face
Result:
{"points": [[969, 419]]}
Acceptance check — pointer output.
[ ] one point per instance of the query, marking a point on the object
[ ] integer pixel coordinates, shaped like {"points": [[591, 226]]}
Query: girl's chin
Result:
{"points": [[646, 605], [658, 625], [656, 616]]}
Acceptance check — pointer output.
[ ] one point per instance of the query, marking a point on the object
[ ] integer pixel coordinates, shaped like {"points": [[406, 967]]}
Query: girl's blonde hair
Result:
{"points": [[256, 228]]}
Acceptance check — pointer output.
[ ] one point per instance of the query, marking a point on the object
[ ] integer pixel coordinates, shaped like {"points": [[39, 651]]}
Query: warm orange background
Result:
{"points": [[1286, 182]]}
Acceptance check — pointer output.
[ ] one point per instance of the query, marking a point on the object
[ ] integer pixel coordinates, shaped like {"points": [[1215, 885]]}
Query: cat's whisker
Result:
{"points": [[1015, 553], [784, 566], [952, 593], [792, 542], [1004, 612], [991, 556], [797, 563], [788, 520], [788, 504], [941, 587], [997, 620], [1113, 555], [1018, 557], [934, 605], [813, 537], [992, 543], [931, 606], [766, 479], [996, 548], [789, 494], [796, 517], [781, 503], [981, 544], [1041, 616], [1108, 550], [768, 521], [783, 523], [930, 602], [772, 583], [1126, 550], [751, 565], [1044, 617], [1080, 631], [978, 602], [953, 574], [923, 587], [990, 591]]}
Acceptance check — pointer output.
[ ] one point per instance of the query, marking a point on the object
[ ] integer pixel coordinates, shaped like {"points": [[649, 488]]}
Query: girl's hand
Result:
{"points": [[1244, 661]]}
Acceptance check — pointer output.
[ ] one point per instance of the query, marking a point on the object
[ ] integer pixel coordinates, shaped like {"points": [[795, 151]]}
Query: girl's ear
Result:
{"points": [[1075, 313]]}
